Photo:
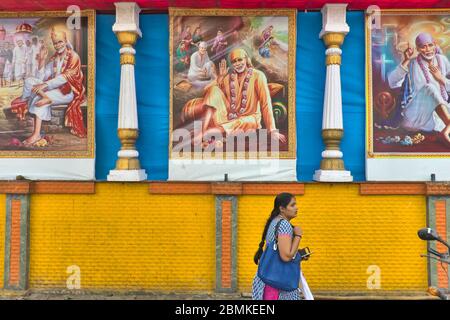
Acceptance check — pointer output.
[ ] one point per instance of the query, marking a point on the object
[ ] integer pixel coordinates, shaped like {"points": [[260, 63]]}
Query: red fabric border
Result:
{"points": [[33, 5]]}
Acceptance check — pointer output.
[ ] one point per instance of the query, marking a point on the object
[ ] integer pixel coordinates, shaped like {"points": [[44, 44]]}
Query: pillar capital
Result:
{"points": [[127, 19], [334, 19], [127, 38], [333, 39]]}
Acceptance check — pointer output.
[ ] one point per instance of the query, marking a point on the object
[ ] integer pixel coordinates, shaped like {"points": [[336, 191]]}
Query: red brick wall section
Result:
{"points": [[228, 188], [14, 257], [49, 187], [226, 244], [63, 187], [225, 188], [441, 223], [14, 187], [273, 189], [438, 188], [392, 188], [179, 188]]}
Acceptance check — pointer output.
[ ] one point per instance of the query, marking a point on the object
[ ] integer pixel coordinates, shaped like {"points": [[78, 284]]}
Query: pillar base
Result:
{"points": [[127, 175], [128, 163], [332, 176]]}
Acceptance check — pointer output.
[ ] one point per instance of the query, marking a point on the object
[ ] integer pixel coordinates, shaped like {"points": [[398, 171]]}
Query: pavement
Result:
{"points": [[143, 295]]}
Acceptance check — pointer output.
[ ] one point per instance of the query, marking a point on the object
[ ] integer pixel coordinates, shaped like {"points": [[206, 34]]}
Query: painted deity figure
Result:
{"points": [[426, 87], [236, 102], [201, 69], [2, 65], [19, 60], [264, 48], [186, 35], [7, 53], [267, 33], [197, 37], [60, 83], [182, 54], [219, 45], [29, 59], [34, 56]]}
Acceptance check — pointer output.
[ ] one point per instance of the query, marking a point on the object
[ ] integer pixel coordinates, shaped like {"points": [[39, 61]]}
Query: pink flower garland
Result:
{"points": [[233, 114], [427, 75]]}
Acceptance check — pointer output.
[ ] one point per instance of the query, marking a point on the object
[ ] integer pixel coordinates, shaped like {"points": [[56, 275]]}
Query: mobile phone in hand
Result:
{"points": [[305, 253]]}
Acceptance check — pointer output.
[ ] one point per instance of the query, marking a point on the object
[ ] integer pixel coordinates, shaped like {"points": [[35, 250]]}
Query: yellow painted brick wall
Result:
{"points": [[124, 238], [2, 236], [347, 233]]}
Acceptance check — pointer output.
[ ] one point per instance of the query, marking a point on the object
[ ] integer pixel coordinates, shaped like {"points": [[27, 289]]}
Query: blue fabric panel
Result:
{"points": [[152, 86], [354, 96], [310, 83], [107, 96]]}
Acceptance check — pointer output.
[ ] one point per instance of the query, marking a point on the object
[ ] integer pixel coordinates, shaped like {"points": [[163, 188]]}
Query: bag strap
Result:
{"points": [[277, 226]]}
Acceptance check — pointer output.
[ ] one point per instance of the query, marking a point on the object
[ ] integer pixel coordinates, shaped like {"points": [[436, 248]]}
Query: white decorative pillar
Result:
{"points": [[334, 29], [127, 31]]}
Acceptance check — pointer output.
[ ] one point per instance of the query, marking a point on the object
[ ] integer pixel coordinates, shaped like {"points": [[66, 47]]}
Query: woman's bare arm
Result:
{"points": [[288, 247]]}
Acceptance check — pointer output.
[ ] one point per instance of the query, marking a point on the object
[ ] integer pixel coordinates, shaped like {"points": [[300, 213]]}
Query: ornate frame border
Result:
{"points": [[292, 34], [369, 97], [90, 152]]}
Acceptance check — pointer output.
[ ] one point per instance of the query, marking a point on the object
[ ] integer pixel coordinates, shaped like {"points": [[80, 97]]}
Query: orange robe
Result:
{"points": [[71, 70], [258, 105]]}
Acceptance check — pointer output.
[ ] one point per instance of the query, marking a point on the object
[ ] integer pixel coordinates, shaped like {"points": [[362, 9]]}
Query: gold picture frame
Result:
{"points": [[89, 76], [291, 14], [370, 19]]}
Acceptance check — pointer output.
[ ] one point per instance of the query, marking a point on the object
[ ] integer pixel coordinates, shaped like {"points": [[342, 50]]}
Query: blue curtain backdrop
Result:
{"points": [[152, 86]]}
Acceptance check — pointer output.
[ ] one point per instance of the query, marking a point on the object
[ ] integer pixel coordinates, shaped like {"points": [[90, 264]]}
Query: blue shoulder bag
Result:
{"points": [[275, 272]]}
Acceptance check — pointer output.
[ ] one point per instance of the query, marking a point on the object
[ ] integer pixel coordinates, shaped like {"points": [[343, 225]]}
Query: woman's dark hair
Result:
{"points": [[281, 200]]}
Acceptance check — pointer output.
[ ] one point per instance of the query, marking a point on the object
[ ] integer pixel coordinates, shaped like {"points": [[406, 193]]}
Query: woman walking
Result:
{"points": [[279, 231]]}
